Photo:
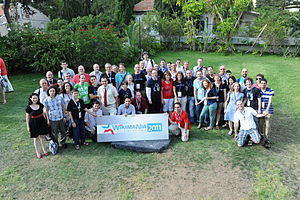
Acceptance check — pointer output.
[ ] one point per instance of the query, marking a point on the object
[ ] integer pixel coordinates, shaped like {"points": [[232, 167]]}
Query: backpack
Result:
{"points": [[53, 146]]}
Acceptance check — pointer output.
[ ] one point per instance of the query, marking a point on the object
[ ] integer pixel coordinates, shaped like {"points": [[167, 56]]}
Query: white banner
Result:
{"points": [[132, 127]]}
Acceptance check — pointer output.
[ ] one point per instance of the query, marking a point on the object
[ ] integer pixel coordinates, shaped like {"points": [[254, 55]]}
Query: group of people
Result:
{"points": [[199, 95]]}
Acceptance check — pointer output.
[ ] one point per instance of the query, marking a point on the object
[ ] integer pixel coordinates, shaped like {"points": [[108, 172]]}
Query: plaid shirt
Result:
{"points": [[55, 106]]}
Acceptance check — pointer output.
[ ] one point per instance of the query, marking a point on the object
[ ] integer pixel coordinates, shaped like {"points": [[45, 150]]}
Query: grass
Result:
{"points": [[101, 172]]}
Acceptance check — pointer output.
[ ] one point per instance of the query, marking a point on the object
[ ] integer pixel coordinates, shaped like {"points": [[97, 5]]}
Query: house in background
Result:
{"points": [[36, 20]]}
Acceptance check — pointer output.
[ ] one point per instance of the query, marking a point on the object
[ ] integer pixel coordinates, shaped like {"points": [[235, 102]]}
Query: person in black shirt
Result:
{"points": [[139, 79], [160, 74], [76, 110], [124, 93], [153, 92], [109, 74], [92, 90], [179, 89], [221, 89], [210, 74], [189, 80], [252, 98]]}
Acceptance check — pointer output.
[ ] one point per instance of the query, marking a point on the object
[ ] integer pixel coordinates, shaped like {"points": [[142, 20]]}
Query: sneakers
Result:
{"points": [[267, 144]]}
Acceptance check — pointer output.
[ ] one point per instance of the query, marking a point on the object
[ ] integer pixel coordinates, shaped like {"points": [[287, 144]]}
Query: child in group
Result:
{"points": [[36, 123]]}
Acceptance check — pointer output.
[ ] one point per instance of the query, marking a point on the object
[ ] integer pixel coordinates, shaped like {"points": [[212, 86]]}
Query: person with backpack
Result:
{"points": [[148, 62]]}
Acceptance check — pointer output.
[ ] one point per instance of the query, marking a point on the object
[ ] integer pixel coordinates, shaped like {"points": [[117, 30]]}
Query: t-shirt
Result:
{"points": [[211, 93], [189, 86], [181, 119], [160, 75], [93, 89], [77, 109], [265, 99], [246, 118], [220, 91], [200, 92], [77, 76], [167, 90], [139, 81], [83, 92], [123, 94], [120, 78], [180, 88], [111, 77], [252, 96], [155, 86], [3, 67]]}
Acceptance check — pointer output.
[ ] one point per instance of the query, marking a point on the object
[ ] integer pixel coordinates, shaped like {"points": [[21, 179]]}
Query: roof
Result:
{"points": [[144, 6]]}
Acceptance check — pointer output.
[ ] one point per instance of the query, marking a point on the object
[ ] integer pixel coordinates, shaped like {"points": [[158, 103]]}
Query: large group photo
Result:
{"points": [[149, 100]]}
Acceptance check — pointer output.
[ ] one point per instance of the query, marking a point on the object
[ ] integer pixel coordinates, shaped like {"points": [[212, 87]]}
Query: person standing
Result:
{"points": [[199, 65], [55, 109], [93, 88], [76, 110], [221, 89], [179, 89], [153, 92], [267, 109], [42, 91], [241, 80], [199, 94], [147, 61], [167, 93], [3, 73], [109, 74], [234, 95], [108, 95], [81, 71], [252, 98], [97, 73], [139, 80], [83, 88], [36, 123], [121, 76], [180, 123], [189, 80], [50, 80], [65, 70]]}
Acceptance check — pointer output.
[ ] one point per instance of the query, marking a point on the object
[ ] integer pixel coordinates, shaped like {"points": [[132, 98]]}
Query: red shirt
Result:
{"points": [[167, 90], [181, 119], [140, 106], [3, 67], [76, 78]]}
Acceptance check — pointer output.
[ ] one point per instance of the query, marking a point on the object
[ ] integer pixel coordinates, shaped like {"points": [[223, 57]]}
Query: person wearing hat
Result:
{"points": [[148, 62]]}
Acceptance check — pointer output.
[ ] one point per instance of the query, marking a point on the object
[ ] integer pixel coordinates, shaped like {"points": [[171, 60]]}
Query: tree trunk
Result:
{"points": [[6, 11]]}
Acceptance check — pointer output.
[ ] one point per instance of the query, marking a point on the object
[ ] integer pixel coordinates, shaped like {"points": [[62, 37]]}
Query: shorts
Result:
{"points": [[243, 134]]}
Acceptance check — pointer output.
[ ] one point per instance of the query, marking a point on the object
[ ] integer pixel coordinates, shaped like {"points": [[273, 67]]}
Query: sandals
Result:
{"points": [[224, 125], [208, 128], [229, 133], [77, 147], [39, 156]]}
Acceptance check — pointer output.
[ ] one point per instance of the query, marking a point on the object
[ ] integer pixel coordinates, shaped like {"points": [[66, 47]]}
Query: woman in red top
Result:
{"points": [[3, 73], [180, 122], [167, 93]]}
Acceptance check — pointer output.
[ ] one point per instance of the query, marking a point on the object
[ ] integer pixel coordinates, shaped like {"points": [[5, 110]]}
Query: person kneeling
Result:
{"points": [[76, 110], [91, 121], [180, 122], [127, 108], [244, 115]]}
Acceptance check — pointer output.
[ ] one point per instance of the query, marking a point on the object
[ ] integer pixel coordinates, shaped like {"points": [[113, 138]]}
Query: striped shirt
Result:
{"points": [[265, 96]]}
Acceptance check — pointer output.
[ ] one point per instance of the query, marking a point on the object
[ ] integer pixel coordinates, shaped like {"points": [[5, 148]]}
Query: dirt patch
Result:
{"points": [[216, 180]]}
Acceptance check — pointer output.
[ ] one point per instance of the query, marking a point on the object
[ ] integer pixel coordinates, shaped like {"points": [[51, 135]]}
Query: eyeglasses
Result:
{"points": [[258, 78], [222, 69], [176, 107]]}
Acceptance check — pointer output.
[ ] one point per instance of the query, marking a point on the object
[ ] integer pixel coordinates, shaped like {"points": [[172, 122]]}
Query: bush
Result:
{"points": [[86, 40]]}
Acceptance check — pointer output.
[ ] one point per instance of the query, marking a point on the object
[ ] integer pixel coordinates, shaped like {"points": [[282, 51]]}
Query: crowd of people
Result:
{"points": [[210, 98]]}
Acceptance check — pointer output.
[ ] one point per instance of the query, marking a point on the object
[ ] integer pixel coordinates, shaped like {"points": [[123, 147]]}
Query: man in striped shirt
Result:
{"points": [[267, 109]]}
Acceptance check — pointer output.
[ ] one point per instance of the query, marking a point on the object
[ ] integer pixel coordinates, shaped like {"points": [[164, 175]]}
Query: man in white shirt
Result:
{"points": [[96, 73], [148, 62], [199, 65], [108, 95], [245, 115]]}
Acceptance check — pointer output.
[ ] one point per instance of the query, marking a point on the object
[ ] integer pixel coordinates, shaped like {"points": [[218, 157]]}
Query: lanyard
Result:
{"points": [[138, 104]]}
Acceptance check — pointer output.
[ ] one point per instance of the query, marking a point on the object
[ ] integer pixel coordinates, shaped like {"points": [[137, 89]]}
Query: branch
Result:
{"points": [[6, 11], [238, 20], [261, 32], [218, 13]]}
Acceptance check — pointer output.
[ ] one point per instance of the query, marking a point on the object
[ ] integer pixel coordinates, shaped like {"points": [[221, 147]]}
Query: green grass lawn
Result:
{"points": [[207, 163]]}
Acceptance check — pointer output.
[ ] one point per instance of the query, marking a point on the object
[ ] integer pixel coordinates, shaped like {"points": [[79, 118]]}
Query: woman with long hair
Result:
{"points": [[167, 93], [66, 94], [210, 104], [221, 89], [179, 89], [36, 123], [235, 94]]}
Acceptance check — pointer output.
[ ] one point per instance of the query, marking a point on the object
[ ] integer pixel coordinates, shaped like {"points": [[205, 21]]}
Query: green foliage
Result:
{"points": [[85, 40]]}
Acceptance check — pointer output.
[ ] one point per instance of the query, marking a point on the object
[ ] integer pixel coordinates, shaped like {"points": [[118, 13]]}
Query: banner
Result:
{"points": [[132, 127]]}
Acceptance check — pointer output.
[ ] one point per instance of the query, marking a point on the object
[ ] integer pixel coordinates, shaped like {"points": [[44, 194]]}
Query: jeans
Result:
{"points": [[211, 109], [78, 132], [56, 128], [191, 109], [199, 108]]}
